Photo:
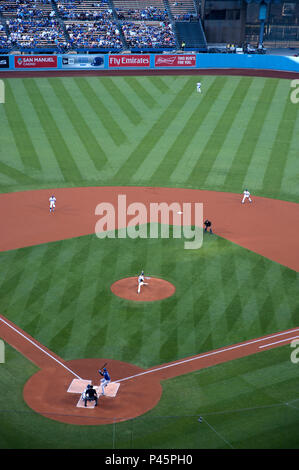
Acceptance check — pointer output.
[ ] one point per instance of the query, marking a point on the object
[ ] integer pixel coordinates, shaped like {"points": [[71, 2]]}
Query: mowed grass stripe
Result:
{"points": [[159, 84], [280, 150], [50, 169], [184, 138], [153, 135], [20, 132], [240, 164], [215, 142], [131, 321], [290, 180], [103, 113], [261, 155], [138, 85], [110, 85], [82, 128], [170, 135], [64, 158], [229, 148], [213, 113], [75, 146], [16, 175], [9, 153], [13, 276]]}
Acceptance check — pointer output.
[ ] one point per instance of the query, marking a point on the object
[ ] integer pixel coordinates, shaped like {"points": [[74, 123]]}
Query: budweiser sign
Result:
{"points": [[172, 60], [129, 60]]}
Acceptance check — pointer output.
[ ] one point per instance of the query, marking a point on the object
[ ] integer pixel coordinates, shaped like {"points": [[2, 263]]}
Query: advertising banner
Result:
{"points": [[4, 62], [83, 61], [171, 60], [35, 61], [129, 60]]}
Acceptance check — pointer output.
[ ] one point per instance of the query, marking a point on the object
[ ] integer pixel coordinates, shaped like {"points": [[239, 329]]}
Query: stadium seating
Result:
{"points": [[83, 9], [153, 10], [93, 34], [148, 34], [182, 10], [62, 25]]}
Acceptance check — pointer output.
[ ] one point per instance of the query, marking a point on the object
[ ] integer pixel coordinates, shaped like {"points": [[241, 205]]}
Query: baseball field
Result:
{"points": [[188, 373]]}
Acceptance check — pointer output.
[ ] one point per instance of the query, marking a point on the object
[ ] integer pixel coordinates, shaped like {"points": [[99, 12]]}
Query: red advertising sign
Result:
{"points": [[171, 60], [35, 61], [129, 60]]}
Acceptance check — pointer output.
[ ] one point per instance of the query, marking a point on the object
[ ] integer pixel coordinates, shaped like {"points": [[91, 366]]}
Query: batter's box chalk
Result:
{"points": [[110, 389], [78, 385]]}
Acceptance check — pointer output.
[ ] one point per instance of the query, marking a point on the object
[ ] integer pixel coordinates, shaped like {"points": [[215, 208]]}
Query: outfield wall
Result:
{"points": [[148, 62]]}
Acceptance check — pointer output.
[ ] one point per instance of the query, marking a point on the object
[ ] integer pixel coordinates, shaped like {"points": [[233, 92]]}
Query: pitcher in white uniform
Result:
{"points": [[141, 282]]}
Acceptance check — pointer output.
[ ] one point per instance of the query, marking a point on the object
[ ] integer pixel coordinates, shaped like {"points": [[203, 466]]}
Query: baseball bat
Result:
{"points": [[103, 366]]}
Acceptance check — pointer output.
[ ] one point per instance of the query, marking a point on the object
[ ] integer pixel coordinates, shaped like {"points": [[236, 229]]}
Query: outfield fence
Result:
{"points": [[147, 61]]}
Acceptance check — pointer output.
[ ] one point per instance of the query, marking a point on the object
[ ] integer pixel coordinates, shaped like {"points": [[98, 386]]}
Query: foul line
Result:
{"points": [[40, 348], [167, 366], [281, 341], [201, 356]]}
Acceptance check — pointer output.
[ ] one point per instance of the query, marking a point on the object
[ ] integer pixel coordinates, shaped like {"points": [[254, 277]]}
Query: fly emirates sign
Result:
{"points": [[129, 60]]}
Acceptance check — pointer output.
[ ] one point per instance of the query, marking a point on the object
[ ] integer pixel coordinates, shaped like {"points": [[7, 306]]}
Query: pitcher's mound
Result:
{"points": [[156, 289]]}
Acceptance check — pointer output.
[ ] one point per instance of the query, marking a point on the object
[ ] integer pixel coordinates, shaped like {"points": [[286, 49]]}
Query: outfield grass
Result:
{"points": [[241, 131], [156, 131], [60, 294], [245, 404]]}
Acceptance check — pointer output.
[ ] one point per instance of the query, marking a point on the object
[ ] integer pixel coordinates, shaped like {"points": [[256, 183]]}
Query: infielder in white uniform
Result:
{"points": [[246, 195], [141, 282], [52, 201], [198, 87]]}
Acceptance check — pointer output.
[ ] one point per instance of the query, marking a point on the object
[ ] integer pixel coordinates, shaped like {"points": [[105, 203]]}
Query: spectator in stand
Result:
{"points": [[142, 35]]}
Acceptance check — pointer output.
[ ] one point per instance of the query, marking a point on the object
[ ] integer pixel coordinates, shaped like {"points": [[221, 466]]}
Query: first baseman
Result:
{"points": [[52, 201]]}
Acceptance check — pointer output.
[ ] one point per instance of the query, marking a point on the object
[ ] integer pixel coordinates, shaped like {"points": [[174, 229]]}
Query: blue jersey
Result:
{"points": [[105, 374]]}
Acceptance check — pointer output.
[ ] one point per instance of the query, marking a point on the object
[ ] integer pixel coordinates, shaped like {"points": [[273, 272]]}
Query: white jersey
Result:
{"points": [[52, 200], [198, 85], [140, 279], [246, 193]]}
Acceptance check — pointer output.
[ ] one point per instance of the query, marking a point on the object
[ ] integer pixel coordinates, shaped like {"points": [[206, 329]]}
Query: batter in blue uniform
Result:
{"points": [[105, 380]]}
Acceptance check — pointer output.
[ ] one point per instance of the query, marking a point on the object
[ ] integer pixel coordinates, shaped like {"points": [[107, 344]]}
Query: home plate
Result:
{"points": [[89, 404], [110, 389], [78, 386]]}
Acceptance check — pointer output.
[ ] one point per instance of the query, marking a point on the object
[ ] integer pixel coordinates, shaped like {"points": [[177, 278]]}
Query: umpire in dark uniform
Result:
{"points": [[90, 395], [208, 225]]}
